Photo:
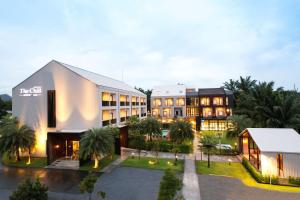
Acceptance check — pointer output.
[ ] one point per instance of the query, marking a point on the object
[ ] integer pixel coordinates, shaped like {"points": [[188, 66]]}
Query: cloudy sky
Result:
{"points": [[153, 42]]}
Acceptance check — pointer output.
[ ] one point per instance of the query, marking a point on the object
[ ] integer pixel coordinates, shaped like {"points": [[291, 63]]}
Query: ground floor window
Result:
{"points": [[214, 125]]}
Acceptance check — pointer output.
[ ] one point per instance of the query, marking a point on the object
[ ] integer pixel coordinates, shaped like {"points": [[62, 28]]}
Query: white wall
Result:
{"points": [[291, 164], [77, 103]]}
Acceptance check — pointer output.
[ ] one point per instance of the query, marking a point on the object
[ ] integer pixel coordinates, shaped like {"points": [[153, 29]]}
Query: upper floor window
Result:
{"points": [[157, 102], [180, 102], [207, 112], [205, 101], [220, 112], [169, 102], [218, 101], [192, 111]]}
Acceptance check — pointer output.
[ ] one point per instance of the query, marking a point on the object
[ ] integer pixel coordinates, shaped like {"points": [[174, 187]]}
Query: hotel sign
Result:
{"points": [[34, 91]]}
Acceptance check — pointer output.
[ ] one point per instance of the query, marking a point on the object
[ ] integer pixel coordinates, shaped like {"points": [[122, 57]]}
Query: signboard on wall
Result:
{"points": [[28, 92]]}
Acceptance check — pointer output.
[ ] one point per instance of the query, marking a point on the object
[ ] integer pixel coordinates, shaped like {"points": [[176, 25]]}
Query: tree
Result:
{"points": [[87, 185], [134, 126], [29, 190], [245, 84], [169, 185], [15, 136], [3, 108], [208, 142], [96, 143], [181, 131], [148, 93], [151, 126], [138, 142], [240, 122], [156, 149]]}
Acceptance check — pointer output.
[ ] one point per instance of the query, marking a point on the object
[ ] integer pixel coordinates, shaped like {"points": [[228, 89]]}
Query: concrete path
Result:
{"points": [[191, 190]]}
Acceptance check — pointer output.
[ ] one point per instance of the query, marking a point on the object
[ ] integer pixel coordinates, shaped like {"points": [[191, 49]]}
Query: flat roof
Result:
{"points": [[168, 90], [285, 140]]}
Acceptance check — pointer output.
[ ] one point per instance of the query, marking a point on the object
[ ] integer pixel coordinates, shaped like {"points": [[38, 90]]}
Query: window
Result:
{"points": [[51, 109], [280, 164], [192, 111], [207, 112], [205, 101], [157, 102], [218, 101], [180, 102], [169, 102]]}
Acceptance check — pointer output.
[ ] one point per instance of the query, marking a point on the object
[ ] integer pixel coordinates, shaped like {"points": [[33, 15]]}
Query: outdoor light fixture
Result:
{"points": [[151, 162], [229, 161], [56, 146]]}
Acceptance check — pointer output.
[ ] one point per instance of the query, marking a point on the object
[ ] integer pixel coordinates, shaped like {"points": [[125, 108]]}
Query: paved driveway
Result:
{"points": [[223, 188], [122, 183], [126, 183]]}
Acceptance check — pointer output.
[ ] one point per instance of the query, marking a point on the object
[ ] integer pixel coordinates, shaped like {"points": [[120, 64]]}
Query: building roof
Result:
{"points": [[101, 80], [211, 91], [285, 140], [169, 90]]}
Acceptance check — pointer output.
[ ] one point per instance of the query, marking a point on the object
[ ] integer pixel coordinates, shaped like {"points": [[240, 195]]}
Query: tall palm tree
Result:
{"points": [[151, 126], [181, 131], [208, 142], [15, 137], [245, 84], [96, 143]]}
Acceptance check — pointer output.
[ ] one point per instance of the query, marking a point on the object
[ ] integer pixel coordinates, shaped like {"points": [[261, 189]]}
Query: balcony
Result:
{"points": [[113, 103], [137, 103], [127, 103], [143, 103], [109, 103], [134, 103], [143, 114], [122, 103], [113, 121], [105, 103], [109, 122]]}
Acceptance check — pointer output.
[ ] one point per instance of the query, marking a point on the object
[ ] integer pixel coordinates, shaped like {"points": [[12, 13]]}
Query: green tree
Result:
{"points": [[151, 126], [134, 126], [169, 185], [138, 142], [29, 190], [181, 131], [87, 185], [156, 149], [15, 136], [240, 123], [96, 143], [175, 150], [208, 143], [148, 93]]}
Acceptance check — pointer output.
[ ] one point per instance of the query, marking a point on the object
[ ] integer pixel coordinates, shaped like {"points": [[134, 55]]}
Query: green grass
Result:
{"points": [[102, 163], [224, 139], [237, 170], [36, 162], [162, 164]]}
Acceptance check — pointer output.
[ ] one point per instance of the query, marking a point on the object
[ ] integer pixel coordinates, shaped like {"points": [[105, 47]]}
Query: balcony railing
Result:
{"points": [[123, 119], [143, 103], [108, 122], [109, 103], [127, 103], [137, 103], [143, 114], [133, 103]]}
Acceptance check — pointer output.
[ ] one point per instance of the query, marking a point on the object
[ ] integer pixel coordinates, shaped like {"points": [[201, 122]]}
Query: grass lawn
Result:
{"points": [[102, 163], [162, 164], [224, 139], [35, 162], [237, 170]]}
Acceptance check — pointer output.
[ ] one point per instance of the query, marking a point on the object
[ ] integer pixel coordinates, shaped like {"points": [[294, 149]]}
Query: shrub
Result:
{"points": [[166, 146], [184, 148], [254, 173], [169, 185], [294, 181], [29, 190], [257, 175]]}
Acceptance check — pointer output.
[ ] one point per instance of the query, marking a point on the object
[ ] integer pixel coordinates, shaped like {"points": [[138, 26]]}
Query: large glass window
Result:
{"points": [[157, 102], [207, 112], [218, 101], [169, 102], [180, 102], [205, 101], [192, 111], [220, 112]]}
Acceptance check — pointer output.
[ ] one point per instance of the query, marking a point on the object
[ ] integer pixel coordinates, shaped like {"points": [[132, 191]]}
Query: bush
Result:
{"points": [[166, 146], [29, 190], [294, 181], [184, 148], [169, 185], [257, 175]]}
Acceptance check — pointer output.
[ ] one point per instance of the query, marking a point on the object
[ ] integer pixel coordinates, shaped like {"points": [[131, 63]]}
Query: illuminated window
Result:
{"points": [[207, 112], [169, 102], [220, 112], [192, 111], [167, 112], [180, 102], [218, 101], [205, 101], [227, 101], [157, 102]]}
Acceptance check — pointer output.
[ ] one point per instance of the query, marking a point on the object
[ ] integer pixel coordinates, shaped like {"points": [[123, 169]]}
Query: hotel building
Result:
{"points": [[206, 109], [60, 102]]}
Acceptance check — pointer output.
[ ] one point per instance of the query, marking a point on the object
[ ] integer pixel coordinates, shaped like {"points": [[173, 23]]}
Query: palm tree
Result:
{"points": [[96, 143], [181, 131], [151, 126], [15, 137], [208, 142], [245, 84]]}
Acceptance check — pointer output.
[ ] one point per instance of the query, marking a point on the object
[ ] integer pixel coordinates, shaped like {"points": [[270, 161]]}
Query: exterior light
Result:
{"points": [[151, 162], [245, 141], [56, 146], [229, 161]]}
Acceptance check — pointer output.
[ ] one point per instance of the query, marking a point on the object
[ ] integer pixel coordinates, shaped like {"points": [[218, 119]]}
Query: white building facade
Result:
{"points": [[66, 100]]}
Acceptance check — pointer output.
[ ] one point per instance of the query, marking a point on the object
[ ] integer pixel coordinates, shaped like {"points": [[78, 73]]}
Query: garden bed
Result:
{"points": [[36, 162], [102, 163]]}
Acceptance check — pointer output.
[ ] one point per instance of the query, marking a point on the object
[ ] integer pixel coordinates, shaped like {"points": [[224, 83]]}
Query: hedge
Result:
{"points": [[169, 185], [294, 181], [257, 175], [165, 146]]}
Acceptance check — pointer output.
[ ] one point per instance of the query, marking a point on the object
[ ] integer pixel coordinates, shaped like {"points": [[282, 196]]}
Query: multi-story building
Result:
{"points": [[60, 102], [168, 102], [209, 108], [206, 109]]}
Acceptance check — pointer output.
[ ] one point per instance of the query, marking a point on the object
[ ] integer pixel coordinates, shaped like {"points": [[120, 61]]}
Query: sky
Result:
{"points": [[154, 42]]}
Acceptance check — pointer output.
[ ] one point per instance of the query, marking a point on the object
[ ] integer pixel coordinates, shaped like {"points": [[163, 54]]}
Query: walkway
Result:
{"points": [[191, 190]]}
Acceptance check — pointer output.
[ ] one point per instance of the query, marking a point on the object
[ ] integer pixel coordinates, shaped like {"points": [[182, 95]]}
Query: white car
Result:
{"points": [[224, 146]]}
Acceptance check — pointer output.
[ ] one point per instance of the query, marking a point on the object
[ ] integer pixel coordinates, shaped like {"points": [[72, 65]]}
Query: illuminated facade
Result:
{"points": [[272, 151], [168, 102], [60, 102], [206, 109]]}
